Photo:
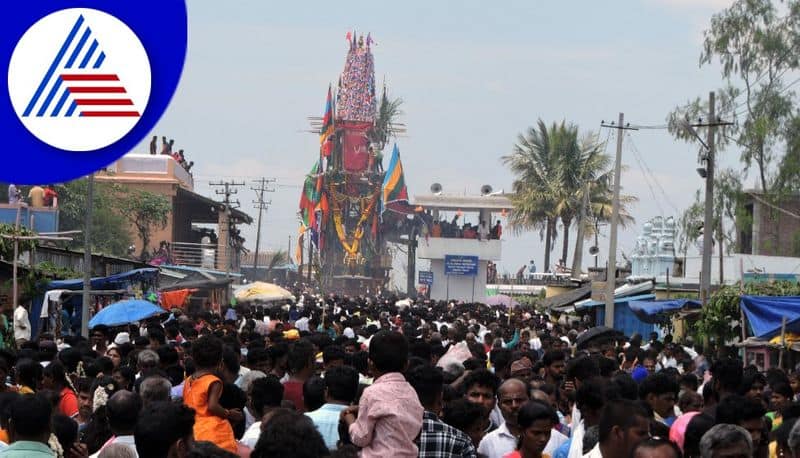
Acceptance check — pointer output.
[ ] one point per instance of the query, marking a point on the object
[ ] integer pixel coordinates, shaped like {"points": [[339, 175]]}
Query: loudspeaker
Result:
{"points": [[486, 190], [436, 188]]}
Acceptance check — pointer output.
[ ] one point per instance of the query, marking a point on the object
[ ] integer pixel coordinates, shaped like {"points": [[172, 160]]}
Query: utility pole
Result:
{"points": [[708, 174], [261, 205], [229, 188], [87, 259], [611, 269]]}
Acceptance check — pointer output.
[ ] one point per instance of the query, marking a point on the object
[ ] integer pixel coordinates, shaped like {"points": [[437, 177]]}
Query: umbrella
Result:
{"points": [[594, 334], [261, 291], [501, 300], [125, 312]]}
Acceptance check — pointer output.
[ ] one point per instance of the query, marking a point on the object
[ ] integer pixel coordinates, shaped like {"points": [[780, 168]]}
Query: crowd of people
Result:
{"points": [[376, 377], [355, 98], [37, 196], [454, 230], [167, 149]]}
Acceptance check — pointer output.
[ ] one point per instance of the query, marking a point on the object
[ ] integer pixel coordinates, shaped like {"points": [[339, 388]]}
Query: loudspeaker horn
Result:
{"points": [[486, 190], [593, 250], [436, 188]]}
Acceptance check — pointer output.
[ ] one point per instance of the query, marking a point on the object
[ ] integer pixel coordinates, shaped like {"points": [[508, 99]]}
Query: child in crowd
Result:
{"points": [[202, 391], [389, 415]]}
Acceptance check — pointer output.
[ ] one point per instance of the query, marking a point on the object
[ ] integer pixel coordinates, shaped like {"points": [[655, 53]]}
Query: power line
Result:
{"points": [[640, 159]]}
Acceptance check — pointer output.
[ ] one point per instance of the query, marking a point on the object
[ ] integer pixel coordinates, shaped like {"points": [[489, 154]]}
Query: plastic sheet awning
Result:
{"points": [[650, 311], [618, 300], [765, 314]]}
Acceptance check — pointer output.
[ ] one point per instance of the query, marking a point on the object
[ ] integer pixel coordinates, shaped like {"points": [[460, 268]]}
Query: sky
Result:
{"points": [[472, 76]]}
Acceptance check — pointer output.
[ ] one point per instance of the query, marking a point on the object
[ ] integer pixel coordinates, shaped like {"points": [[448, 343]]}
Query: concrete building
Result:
{"points": [[770, 229], [458, 265], [190, 244]]}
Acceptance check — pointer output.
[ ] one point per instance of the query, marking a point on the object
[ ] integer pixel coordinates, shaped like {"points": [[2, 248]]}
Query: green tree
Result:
{"points": [[538, 184], [110, 233], [146, 211], [385, 125], [755, 43]]}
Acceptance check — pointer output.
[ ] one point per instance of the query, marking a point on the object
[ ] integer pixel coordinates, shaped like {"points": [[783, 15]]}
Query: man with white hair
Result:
{"points": [[726, 441]]}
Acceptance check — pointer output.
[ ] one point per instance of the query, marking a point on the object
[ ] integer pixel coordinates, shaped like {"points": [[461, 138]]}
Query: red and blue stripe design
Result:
{"points": [[76, 84]]}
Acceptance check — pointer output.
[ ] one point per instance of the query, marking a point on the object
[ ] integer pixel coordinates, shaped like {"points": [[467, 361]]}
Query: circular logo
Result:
{"points": [[79, 79]]}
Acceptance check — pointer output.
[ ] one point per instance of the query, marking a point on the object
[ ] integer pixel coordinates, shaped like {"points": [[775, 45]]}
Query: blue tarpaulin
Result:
{"points": [[765, 314], [117, 281], [648, 311]]}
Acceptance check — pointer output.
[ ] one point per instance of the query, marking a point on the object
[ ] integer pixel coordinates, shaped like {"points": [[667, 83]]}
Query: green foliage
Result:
{"points": [[110, 233], [552, 167], [724, 307], [755, 43], [146, 211], [388, 114], [7, 244]]}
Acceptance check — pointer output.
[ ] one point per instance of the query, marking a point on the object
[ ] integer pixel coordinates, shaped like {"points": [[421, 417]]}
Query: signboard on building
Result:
{"points": [[425, 277], [599, 291], [461, 265]]}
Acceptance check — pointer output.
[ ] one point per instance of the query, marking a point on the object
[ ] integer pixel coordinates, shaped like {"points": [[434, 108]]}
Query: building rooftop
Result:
{"points": [[455, 202]]}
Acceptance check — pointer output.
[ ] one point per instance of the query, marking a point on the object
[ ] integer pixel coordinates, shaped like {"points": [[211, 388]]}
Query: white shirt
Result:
{"points": [[124, 440], [301, 324], [594, 453], [501, 442], [22, 325], [251, 435]]}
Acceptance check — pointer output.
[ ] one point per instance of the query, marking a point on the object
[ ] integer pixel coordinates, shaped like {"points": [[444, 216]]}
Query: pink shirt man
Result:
{"points": [[389, 419]]}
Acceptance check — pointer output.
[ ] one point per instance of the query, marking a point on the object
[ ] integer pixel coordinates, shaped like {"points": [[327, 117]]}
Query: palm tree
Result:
{"points": [[538, 184]]}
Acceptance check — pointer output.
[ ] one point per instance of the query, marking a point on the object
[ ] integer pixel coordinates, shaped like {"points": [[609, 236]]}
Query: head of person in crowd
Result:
{"points": [[480, 386], [29, 375], [781, 395], [122, 410], [314, 393], [580, 369], [623, 425], [522, 368], [554, 366], [753, 384], [656, 447], [745, 412], [511, 395], [164, 429], [83, 387], [29, 419], [726, 441], [535, 420], [301, 360], [590, 399], [264, 394], [155, 389], [289, 433], [468, 417], [727, 376], [388, 352], [500, 358], [697, 426], [690, 401], [258, 359], [66, 431], [660, 392], [341, 385], [124, 376], [147, 361], [333, 356], [99, 338], [427, 381]]}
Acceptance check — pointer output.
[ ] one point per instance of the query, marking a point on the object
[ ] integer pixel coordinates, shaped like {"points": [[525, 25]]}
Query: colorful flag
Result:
{"points": [[326, 131], [394, 192], [310, 195]]}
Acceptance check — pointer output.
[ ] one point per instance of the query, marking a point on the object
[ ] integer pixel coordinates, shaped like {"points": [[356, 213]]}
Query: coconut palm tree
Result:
{"points": [[538, 185]]}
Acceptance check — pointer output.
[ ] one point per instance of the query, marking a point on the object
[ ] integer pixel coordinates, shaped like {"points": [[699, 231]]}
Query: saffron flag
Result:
{"points": [[326, 131], [394, 195]]}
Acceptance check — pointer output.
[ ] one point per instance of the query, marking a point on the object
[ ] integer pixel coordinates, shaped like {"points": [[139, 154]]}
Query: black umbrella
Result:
{"points": [[596, 334]]}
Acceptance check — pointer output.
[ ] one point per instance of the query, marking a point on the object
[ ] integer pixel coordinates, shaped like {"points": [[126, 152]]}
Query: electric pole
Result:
{"points": [[87, 259], [229, 188], [708, 218], [262, 206], [611, 269]]}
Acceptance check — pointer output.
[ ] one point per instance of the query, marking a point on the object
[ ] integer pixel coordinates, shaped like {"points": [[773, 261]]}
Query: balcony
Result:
{"points": [[37, 219], [438, 247]]}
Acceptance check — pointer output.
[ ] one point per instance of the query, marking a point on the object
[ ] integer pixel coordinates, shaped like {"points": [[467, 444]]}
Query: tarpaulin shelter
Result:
{"points": [[120, 281], [765, 314], [624, 318], [651, 311]]}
